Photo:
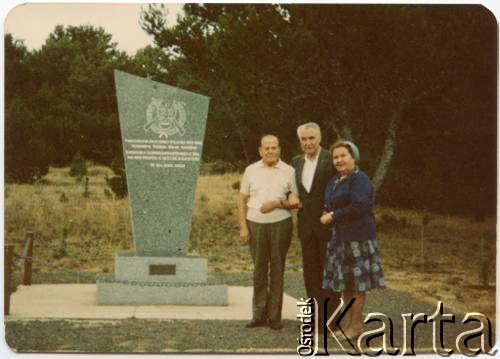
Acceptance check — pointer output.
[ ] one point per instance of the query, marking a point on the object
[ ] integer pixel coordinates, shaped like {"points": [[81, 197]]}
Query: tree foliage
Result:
{"points": [[60, 100], [397, 79], [414, 86]]}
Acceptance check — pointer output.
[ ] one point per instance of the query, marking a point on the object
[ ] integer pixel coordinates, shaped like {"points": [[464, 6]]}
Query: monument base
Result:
{"points": [[112, 291], [159, 280], [130, 267]]}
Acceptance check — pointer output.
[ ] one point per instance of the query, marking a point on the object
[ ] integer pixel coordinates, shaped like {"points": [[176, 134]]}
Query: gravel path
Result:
{"points": [[225, 336]]}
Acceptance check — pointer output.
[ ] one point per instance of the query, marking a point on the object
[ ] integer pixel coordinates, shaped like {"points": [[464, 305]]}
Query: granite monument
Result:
{"points": [[162, 130]]}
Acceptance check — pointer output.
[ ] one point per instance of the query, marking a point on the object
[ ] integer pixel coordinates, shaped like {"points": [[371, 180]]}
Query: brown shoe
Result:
{"points": [[256, 324], [276, 325]]}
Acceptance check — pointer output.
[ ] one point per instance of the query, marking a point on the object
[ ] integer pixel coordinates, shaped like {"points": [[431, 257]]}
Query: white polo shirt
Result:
{"points": [[263, 183]]}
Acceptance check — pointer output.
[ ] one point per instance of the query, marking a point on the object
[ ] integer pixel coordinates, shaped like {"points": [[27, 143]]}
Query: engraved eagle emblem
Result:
{"points": [[166, 118]]}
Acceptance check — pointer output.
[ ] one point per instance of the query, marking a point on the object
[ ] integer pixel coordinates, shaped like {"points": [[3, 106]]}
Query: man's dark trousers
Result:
{"points": [[269, 243], [313, 235]]}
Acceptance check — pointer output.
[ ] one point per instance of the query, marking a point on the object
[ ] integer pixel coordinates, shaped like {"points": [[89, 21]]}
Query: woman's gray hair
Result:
{"points": [[309, 125]]}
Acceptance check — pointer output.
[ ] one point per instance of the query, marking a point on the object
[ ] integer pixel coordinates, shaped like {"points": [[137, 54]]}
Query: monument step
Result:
{"points": [[112, 291], [110, 278]]}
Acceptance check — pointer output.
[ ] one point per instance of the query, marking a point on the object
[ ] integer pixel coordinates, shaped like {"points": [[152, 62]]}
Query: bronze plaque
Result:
{"points": [[162, 269]]}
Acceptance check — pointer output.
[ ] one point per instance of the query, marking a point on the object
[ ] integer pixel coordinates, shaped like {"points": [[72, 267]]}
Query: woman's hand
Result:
{"points": [[326, 218]]}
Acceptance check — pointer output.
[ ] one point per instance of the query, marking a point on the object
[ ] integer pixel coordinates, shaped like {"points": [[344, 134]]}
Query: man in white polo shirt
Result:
{"points": [[267, 193]]}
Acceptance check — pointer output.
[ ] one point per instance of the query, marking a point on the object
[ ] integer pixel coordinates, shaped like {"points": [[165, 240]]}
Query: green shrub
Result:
{"points": [[117, 165], [390, 221], [219, 167], [117, 184], [78, 167]]}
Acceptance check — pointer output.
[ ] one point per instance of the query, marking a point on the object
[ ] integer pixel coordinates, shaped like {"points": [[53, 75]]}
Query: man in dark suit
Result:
{"points": [[313, 170]]}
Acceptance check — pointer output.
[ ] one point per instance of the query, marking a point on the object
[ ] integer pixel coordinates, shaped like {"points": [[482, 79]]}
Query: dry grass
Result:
{"points": [[450, 270], [83, 234], [80, 233]]}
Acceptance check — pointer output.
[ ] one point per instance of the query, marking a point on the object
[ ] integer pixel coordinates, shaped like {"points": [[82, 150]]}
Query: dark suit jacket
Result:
{"points": [[312, 202]]}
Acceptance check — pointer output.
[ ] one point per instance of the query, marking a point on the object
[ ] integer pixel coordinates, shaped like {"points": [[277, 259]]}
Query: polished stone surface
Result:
{"points": [[162, 131]]}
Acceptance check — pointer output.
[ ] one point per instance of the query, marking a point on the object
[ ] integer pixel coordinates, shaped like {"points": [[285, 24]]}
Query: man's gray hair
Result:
{"points": [[309, 125]]}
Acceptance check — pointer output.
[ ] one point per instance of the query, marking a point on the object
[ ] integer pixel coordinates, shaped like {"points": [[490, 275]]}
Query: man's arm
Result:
{"points": [[268, 206], [242, 218], [292, 201]]}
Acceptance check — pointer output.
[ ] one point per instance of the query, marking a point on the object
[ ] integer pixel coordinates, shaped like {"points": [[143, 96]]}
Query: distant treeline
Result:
{"points": [[413, 86]]}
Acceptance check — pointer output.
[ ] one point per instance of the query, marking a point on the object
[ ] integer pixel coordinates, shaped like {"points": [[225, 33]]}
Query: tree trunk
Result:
{"points": [[346, 133], [389, 148], [237, 127]]}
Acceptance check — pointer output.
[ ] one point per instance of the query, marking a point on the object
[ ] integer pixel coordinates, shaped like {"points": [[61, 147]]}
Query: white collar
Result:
{"points": [[315, 157], [276, 165]]}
